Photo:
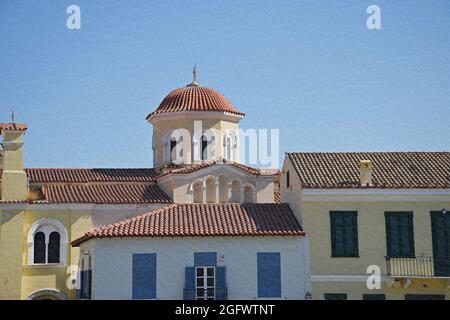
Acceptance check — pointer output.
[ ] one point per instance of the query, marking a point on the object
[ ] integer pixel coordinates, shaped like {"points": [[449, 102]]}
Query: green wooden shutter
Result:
{"points": [[399, 234], [344, 233], [335, 296]]}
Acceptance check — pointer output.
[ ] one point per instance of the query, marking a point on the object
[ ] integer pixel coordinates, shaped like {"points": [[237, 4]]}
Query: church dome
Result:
{"points": [[194, 97]]}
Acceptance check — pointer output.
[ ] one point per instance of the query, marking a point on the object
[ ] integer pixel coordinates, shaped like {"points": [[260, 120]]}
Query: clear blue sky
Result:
{"points": [[310, 68]]}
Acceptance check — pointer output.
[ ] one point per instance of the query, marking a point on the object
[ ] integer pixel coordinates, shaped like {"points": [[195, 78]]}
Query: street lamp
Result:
{"points": [[308, 295]]}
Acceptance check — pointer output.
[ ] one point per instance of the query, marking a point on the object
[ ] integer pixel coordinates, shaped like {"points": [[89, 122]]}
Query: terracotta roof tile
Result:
{"points": [[56, 175], [105, 193], [195, 98], [13, 126], [189, 220], [186, 169], [390, 169]]}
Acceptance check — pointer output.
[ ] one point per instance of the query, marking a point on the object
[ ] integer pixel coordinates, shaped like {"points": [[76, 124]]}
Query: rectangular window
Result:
{"points": [[288, 179], [399, 234], [269, 274], [335, 296], [144, 276], [344, 234], [374, 296], [205, 283]]}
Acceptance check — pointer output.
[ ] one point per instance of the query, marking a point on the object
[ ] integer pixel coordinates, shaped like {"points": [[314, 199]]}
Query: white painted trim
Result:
{"points": [[48, 292], [47, 226], [341, 278], [363, 278], [210, 114], [76, 206], [376, 191], [44, 265], [314, 195]]}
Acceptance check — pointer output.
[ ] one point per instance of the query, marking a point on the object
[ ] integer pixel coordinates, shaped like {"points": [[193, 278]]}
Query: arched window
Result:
{"points": [[198, 192], [203, 149], [47, 242], [236, 191], [249, 194], [223, 189], [39, 248], [211, 190], [173, 144], [174, 147], [54, 247], [230, 146]]}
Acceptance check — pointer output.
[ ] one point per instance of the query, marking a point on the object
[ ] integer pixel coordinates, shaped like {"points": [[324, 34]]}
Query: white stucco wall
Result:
{"points": [[112, 278]]}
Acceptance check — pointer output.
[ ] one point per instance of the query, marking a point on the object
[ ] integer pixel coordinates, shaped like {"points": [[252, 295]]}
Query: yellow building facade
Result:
{"points": [[414, 184]]}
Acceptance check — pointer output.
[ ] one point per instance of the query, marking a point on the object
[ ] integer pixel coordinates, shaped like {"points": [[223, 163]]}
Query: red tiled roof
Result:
{"points": [[105, 193], [13, 126], [185, 169], [49, 175], [390, 169], [188, 220], [195, 98]]}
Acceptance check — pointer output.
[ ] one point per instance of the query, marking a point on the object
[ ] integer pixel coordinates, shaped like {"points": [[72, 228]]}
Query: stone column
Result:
{"points": [[217, 191]]}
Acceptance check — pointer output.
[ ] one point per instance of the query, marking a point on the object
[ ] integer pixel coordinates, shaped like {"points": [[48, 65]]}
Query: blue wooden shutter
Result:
{"points": [[189, 283], [269, 274], [144, 276], [221, 283]]}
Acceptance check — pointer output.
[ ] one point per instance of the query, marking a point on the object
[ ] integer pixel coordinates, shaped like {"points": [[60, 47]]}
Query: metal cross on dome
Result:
{"points": [[194, 82]]}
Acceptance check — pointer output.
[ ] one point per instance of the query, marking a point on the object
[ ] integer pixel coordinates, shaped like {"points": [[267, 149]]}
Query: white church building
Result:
{"points": [[223, 236]]}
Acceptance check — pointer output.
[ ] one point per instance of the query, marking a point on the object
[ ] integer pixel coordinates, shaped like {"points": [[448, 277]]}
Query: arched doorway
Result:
{"points": [[47, 294]]}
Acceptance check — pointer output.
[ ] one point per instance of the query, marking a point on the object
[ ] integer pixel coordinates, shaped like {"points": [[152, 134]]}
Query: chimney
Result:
{"points": [[365, 173], [13, 178]]}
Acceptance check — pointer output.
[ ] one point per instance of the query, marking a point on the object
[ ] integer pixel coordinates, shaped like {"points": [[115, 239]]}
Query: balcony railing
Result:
{"points": [[205, 294], [418, 267]]}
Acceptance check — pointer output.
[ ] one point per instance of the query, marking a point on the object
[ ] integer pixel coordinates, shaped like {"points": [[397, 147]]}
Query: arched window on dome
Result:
{"points": [[174, 147], [204, 147], [230, 146], [207, 146], [47, 242]]}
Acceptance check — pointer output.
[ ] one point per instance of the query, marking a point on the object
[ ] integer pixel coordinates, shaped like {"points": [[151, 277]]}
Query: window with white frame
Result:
{"points": [[205, 283], [47, 242]]}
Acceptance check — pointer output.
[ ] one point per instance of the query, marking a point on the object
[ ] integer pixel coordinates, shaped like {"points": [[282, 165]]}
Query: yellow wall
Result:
{"points": [[11, 230], [315, 218], [19, 279]]}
